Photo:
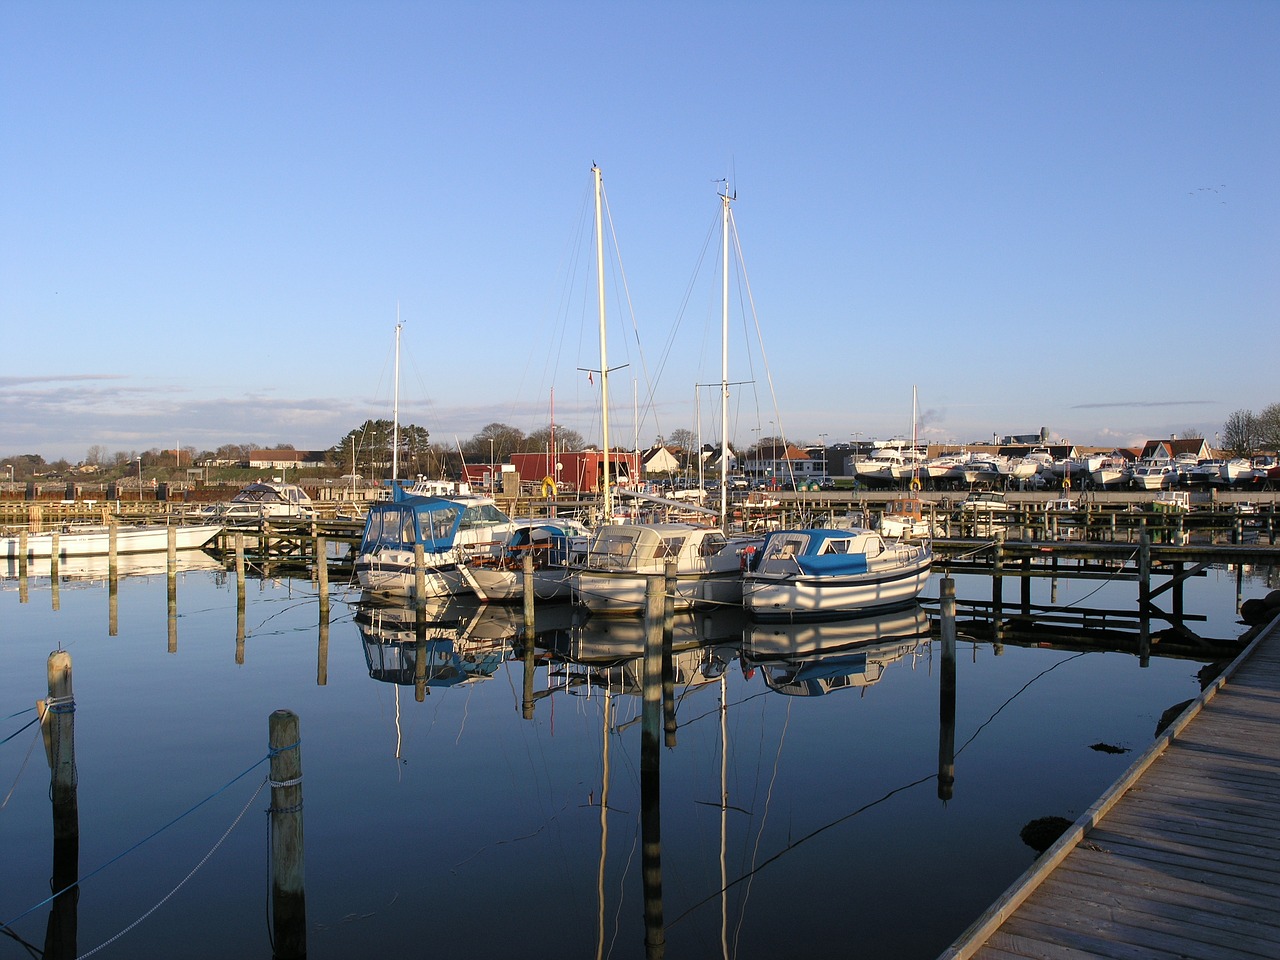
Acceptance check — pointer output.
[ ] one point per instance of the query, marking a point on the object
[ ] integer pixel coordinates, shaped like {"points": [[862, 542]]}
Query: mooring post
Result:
{"points": [[171, 583], [113, 529], [22, 555], [322, 577], [288, 890], [527, 596], [419, 574], [420, 652], [947, 691], [997, 589], [668, 666], [58, 721], [650, 760], [54, 549], [1144, 596]]}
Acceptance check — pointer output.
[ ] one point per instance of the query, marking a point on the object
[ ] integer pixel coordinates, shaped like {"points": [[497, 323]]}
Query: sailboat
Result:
{"points": [[420, 544], [622, 558], [904, 517]]}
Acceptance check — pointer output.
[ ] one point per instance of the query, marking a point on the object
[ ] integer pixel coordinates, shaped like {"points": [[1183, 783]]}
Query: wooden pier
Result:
{"points": [[1180, 858]]}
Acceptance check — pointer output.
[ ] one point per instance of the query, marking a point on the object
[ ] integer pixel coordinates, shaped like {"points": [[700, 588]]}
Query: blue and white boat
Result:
{"points": [[557, 547], [452, 531], [816, 573]]}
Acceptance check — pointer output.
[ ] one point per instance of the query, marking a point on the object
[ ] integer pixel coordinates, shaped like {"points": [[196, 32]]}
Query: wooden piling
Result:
{"points": [[947, 691], [22, 555], [58, 720], [322, 577], [527, 596], [113, 529], [650, 759], [288, 889], [54, 550], [1144, 597], [668, 666], [419, 574]]}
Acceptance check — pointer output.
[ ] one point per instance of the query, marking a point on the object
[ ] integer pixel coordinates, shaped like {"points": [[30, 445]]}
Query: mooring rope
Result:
{"points": [[183, 881]]}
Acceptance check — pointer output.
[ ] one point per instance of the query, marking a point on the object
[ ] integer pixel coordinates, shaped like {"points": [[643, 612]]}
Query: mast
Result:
{"points": [[395, 410], [915, 455], [604, 364], [724, 362]]}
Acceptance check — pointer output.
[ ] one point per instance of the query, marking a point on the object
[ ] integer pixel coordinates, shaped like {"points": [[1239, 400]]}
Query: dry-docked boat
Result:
{"points": [[816, 573]]}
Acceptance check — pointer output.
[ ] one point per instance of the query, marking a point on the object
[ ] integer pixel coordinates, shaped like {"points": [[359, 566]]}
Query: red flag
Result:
{"points": [[590, 379]]}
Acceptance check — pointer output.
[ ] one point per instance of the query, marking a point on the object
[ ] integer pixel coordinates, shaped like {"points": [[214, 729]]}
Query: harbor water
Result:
{"points": [[470, 794]]}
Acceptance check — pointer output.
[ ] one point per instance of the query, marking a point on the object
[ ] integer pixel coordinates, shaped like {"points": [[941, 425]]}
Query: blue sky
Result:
{"points": [[1059, 215]]}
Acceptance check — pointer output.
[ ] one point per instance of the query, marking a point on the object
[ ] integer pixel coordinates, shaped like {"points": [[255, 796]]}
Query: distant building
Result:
{"points": [[284, 459], [581, 470]]}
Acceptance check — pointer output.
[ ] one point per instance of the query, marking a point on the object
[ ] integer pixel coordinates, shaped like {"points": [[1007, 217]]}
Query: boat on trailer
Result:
{"points": [[818, 573]]}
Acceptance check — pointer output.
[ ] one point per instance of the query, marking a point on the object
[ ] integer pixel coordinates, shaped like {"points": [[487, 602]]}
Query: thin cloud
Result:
{"points": [[1144, 403]]}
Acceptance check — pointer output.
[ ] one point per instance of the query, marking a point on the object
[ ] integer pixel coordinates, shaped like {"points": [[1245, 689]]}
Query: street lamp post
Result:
{"points": [[491, 466], [9, 467], [139, 479]]}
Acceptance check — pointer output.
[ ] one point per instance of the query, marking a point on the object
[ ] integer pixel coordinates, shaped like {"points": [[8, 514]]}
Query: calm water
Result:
{"points": [[446, 824]]}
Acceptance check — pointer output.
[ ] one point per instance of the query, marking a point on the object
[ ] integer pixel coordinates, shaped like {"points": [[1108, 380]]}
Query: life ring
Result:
{"points": [[548, 487], [1066, 483], [915, 485]]}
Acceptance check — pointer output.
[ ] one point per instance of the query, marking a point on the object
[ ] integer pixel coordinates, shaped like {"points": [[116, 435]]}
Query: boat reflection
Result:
{"points": [[447, 643], [91, 569], [814, 659]]}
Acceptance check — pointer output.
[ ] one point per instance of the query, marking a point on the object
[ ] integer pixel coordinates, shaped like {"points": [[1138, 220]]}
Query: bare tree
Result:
{"points": [[1268, 428], [1240, 434]]}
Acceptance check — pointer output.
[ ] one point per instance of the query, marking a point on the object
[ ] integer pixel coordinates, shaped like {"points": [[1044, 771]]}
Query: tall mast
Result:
{"points": [[724, 361], [395, 409], [604, 363]]}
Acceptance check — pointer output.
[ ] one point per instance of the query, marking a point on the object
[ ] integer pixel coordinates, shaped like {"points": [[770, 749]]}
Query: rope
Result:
{"points": [[181, 882], [284, 783], [30, 723], [146, 839], [23, 766]]}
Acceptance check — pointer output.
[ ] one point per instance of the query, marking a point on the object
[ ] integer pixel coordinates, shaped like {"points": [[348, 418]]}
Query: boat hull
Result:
{"points": [[611, 594], [817, 597], [96, 541]]}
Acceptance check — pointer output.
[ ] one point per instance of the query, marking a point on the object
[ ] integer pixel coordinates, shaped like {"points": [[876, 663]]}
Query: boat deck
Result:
{"points": [[1181, 858]]}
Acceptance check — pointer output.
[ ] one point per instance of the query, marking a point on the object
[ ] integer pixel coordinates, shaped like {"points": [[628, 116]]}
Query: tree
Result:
{"points": [[1240, 434], [682, 438], [96, 456], [370, 446], [540, 439], [506, 441], [1268, 428]]}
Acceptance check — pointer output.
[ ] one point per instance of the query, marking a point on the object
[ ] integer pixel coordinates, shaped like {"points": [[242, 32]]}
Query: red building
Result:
{"points": [[580, 470]]}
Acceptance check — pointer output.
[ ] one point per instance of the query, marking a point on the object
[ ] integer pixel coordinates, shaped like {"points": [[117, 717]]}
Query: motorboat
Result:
{"points": [[1237, 470], [557, 546], [92, 540], [453, 533], [1110, 472], [984, 503], [1154, 474], [623, 557], [816, 573], [904, 518], [267, 500]]}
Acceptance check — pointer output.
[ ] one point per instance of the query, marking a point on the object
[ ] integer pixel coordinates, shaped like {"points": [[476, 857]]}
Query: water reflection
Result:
{"points": [[815, 659], [444, 645]]}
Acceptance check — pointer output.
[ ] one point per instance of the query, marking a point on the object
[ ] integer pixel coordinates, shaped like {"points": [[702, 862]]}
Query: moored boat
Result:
{"points": [[816, 573], [94, 540], [452, 532], [623, 557]]}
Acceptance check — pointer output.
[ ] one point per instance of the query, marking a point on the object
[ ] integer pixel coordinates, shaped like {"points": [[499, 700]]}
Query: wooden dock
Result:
{"points": [[1181, 857]]}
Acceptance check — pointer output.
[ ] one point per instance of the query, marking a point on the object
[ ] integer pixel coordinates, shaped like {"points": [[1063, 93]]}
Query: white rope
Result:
{"points": [[181, 882]]}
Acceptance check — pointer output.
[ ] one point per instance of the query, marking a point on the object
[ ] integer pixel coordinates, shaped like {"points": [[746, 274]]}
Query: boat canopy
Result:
{"points": [[823, 552]]}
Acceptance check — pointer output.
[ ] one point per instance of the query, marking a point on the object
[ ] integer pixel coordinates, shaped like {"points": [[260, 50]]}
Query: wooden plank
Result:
{"points": [[1181, 857]]}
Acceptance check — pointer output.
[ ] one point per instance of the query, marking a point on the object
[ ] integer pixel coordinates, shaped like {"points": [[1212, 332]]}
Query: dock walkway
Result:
{"points": [[1181, 857]]}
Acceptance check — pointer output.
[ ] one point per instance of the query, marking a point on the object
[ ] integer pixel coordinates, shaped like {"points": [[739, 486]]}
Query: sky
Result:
{"points": [[1056, 215]]}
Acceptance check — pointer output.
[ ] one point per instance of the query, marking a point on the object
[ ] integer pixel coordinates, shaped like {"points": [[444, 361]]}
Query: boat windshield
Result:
{"points": [[483, 515]]}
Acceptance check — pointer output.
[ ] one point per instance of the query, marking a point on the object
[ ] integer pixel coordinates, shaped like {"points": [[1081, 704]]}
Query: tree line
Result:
{"points": [[1247, 434]]}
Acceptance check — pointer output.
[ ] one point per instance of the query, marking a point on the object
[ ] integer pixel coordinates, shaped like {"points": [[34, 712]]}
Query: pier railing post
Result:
{"points": [[288, 889]]}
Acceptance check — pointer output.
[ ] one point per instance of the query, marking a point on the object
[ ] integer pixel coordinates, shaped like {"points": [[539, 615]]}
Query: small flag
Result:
{"points": [[590, 378]]}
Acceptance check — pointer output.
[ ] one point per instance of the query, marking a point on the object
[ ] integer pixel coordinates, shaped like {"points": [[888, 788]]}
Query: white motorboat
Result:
{"points": [[267, 500], [1111, 472], [94, 540], [1154, 474], [817, 573], [904, 518], [623, 557]]}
